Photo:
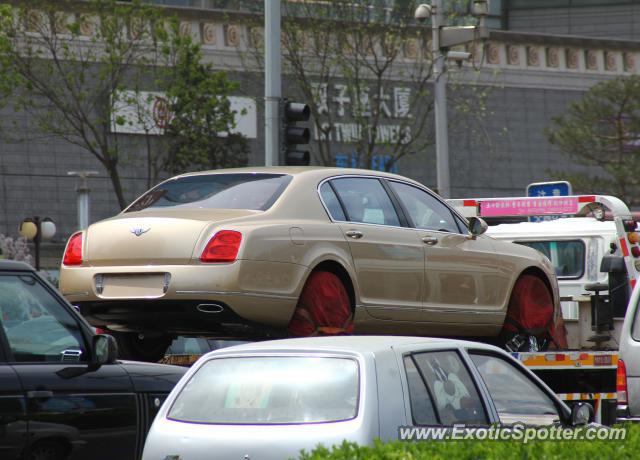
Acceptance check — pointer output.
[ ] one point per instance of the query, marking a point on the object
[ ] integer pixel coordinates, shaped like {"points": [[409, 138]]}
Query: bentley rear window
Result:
{"points": [[252, 191], [270, 390]]}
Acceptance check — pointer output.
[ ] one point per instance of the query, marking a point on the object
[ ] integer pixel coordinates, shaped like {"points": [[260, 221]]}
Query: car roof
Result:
{"points": [[299, 171], [357, 344], [14, 265]]}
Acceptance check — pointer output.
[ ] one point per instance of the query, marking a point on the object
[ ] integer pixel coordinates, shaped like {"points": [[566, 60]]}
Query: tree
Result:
{"points": [[371, 65], [199, 131], [71, 68], [603, 130], [63, 68]]}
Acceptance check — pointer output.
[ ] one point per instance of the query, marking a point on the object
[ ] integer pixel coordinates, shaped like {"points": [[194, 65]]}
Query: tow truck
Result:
{"points": [[593, 243]]}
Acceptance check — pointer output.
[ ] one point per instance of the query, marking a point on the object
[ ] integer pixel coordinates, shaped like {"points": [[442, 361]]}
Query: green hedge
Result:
{"points": [[490, 450]]}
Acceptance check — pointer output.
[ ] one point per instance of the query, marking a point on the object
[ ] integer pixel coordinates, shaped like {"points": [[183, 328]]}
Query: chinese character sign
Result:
{"points": [[351, 109], [529, 207]]}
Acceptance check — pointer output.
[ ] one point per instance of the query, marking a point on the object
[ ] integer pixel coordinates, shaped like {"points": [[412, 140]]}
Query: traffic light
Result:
{"points": [[294, 135]]}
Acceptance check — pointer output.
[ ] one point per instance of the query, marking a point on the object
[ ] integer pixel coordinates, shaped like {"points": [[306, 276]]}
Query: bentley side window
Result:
{"points": [[425, 211], [366, 201], [331, 202]]}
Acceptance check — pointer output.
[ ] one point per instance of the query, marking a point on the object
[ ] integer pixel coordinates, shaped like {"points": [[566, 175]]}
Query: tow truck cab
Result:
{"points": [[585, 253], [593, 244]]}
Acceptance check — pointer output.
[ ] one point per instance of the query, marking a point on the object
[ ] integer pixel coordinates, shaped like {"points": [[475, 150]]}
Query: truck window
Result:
{"points": [[568, 257]]}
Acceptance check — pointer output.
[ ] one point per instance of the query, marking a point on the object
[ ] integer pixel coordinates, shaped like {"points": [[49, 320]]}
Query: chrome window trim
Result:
{"points": [[390, 179]]}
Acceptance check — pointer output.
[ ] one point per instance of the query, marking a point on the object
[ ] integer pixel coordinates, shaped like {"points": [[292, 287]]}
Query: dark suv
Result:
{"points": [[63, 395]]}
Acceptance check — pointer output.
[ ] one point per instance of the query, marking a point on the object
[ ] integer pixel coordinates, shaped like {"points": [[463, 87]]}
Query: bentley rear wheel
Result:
{"points": [[323, 308]]}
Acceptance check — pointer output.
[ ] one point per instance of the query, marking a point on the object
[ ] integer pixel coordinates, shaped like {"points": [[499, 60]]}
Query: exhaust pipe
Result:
{"points": [[210, 308]]}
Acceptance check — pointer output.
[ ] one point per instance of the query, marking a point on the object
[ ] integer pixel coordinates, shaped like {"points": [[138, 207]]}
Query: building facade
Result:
{"points": [[539, 58]]}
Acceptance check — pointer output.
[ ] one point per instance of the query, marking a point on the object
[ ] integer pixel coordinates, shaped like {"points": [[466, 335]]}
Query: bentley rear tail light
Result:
{"points": [[73, 253], [223, 247]]}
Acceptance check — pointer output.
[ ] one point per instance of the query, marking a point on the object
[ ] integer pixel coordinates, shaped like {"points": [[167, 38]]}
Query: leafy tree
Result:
{"points": [[199, 132], [62, 69], [70, 67], [603, 130], [370, 64]]}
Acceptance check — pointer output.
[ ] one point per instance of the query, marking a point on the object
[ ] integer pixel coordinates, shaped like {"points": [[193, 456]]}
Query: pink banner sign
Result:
{"points": [[529, 206]]}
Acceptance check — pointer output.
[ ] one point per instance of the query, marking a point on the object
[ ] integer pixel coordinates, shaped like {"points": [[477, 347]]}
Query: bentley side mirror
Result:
{"points": [[477, 226]]}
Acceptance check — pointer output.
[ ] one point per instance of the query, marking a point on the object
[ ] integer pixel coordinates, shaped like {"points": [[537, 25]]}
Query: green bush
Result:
{"points": [[629, 448]]}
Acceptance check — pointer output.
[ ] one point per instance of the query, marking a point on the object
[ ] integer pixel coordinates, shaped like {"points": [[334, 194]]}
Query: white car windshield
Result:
{"points": [[270, 390]]}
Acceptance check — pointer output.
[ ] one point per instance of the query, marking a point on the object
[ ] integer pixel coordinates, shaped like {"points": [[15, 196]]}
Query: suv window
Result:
{"points": [[215, 191], [455, 395], [36, 326], [425, 211], [366, 201], [516, 397]]}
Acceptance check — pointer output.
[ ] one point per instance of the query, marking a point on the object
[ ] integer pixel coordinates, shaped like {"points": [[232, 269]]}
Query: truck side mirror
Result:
{"points": [[619, 289], [477, 226], [105, 350], [601, 313]]}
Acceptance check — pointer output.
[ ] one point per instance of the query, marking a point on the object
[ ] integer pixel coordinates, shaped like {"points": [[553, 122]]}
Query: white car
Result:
{"points": [[269, 400]]}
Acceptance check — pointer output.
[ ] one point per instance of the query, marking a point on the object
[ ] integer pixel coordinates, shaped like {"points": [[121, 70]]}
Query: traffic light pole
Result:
{"points": [[440, 104], [272, 82]]}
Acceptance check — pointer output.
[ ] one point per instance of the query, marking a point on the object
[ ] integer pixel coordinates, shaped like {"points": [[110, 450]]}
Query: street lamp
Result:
{"points": [[443, 39], [37, 230]]}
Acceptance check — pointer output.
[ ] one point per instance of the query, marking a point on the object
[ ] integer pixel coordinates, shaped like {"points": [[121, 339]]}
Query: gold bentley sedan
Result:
{"points": [[267, 252]]}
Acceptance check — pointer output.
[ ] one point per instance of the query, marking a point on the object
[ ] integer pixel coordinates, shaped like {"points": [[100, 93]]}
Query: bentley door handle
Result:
{"points": [[355, 234], [430, 240]]}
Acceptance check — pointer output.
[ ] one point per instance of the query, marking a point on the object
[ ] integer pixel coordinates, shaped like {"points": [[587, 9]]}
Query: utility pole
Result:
{"points": [[443, 39], [83, 196], [440, 104], [272, 82]]}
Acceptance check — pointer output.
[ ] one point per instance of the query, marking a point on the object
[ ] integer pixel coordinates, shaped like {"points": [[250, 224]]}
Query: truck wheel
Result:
{"points": [[323, 308], [529, 317], [132, 345]]}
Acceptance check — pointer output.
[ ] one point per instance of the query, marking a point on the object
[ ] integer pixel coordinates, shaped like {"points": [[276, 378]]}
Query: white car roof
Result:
{"points": [[357, 344], [562, 228]]}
